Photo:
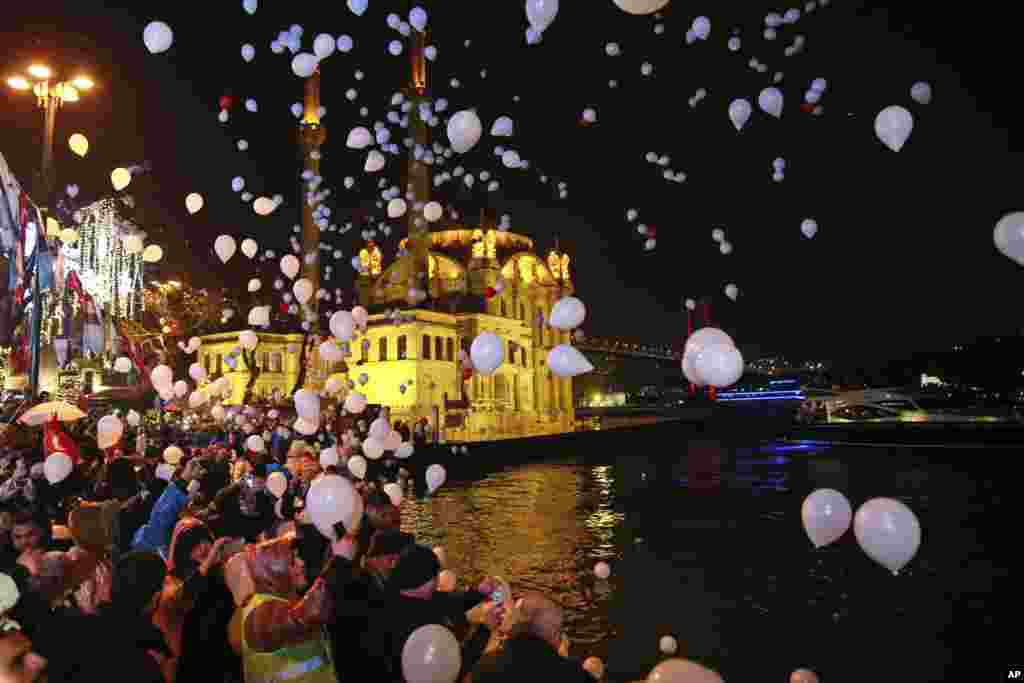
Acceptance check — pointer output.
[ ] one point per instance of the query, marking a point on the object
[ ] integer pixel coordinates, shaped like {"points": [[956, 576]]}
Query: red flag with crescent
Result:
{"points": [[56, 440]]}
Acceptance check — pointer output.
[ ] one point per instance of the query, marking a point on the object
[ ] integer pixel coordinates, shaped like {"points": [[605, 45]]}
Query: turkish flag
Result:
{"points": [[55, 440]]}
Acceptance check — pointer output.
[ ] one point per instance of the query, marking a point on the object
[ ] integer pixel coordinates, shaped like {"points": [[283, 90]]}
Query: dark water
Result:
{"points": [[705, 542]]}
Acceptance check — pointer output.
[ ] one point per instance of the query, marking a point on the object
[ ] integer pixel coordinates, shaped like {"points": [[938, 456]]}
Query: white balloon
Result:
{"points": [[248, 52], [306, 427], [921, 92], [255, 285], [888, 531], [719, 366], [238, 183], [567, 314], [540, 13], [304, 64], [373, 448], [436, 476], [510, 159], [357, 466], [375, 161], [359, 138], [432, 211], [331, 500], [566, 361], [1009, 236], [108, 431], [277, 484], [404, 451], [57, 467], [739, 113], [331, 352], [826, 515], [194, 202], [503, 127], [225, 247], [809, 227], [701, 28], [133, 418], [303, 290], [641, 6], [123, 365], [249, 247], [705, 337], [248, 339], [770, 100], [323, 46], [307, 405], [732, 291], [329, 457], [394, 492], [355, 402], [161, 377], [893, 126], [343, 325], [464, 131], [158, 37], [396, 208], [668, 645], [255, 444], [290, 266], [682, 671], [249, 6], [431, 655], [725, 247], [487, 352], [180, 388]]}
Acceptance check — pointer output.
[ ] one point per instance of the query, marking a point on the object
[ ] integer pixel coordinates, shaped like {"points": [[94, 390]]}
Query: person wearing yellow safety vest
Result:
{"points": [[279, 634]]}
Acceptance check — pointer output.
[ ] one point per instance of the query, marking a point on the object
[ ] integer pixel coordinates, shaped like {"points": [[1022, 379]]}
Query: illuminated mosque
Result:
{"points": [[477, 279]]}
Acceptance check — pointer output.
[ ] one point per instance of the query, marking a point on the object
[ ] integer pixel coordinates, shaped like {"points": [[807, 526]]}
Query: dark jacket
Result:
{"points": [[203, 644], [526, 658], [401, 616], [79, 648]]}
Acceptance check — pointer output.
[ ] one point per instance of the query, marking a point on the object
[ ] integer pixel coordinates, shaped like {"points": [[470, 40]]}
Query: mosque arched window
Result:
{"points": [[449, 350], [382, 349], [438, 348], [402, 347], [504, 309], [425, 354]]}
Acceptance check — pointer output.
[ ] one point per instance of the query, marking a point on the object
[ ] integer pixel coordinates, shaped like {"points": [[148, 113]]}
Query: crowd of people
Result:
{"points": [[133, 568]]}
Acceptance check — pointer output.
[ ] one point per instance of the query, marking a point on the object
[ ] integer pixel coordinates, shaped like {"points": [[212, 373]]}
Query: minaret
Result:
{"points": [[312, 135], [418, 176]]}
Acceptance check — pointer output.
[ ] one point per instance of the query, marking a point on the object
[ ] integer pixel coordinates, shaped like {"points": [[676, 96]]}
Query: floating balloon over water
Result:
{"points": [[682, 671], [732, 291], [809, 227], [888, 531], [290, 266], [567, 314], [826, 515], [304, 64], [770, 100], [436, 476], [540, 13], [487, 352], [566, 361]]}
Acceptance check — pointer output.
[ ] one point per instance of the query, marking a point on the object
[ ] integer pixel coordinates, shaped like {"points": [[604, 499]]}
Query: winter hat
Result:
{"points": [[416, 566]]}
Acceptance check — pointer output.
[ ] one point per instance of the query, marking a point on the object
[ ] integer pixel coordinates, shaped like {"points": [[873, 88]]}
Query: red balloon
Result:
{"points": [[467, 374], [226, 102], [284, 308], [490, 292], [652, 231], [807, 107]]}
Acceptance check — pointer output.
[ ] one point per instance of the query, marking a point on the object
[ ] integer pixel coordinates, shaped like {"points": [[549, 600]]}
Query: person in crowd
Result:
{"points": [[155, 534], [536, 648], [18, 662], [280, 631], [413, 601], [74, 645], [31, 532]]}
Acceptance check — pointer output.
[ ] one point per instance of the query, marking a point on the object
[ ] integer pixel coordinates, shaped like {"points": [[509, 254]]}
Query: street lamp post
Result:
{"points": [[51, 94]]}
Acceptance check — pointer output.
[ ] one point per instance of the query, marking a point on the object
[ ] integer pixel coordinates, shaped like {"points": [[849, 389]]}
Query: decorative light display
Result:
{"points": [[107, 271]]}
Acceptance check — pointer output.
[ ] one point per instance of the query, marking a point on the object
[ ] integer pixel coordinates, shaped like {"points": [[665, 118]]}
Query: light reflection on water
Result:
{"points": [[707, 544]]}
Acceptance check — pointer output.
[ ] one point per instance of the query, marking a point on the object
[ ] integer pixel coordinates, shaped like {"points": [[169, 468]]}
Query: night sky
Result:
{"points": [[903, 259]]}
